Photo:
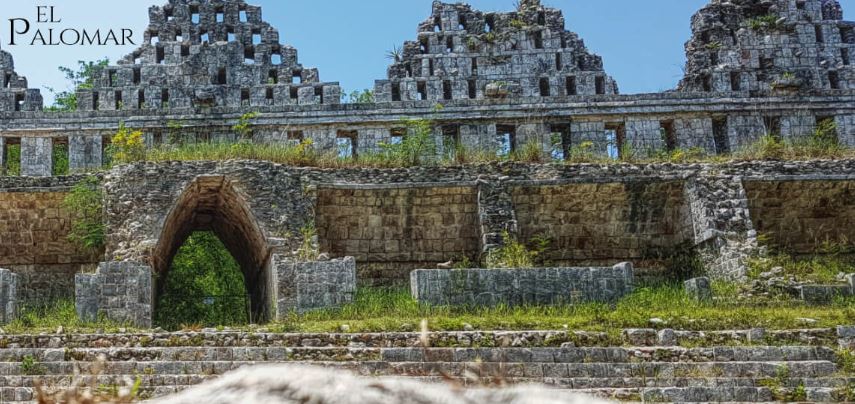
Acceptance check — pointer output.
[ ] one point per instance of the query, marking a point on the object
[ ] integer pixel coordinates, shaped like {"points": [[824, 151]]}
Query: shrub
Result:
{"points": [[127, 146], [30, 367], [243, 129], [308, 250], [514, 254], [85, 204]]}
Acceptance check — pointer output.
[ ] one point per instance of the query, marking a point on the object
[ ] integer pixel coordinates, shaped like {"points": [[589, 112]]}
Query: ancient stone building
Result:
{"points": [[15, 96]]}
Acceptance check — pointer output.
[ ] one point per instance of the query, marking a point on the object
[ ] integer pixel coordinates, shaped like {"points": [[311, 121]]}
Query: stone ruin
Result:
{"points": [[465, 54], [506, 80], [770, 47]]}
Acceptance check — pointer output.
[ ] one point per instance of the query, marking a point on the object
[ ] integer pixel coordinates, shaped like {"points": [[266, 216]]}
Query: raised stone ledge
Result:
{"points": [[306, 286], [516, 287], [8, 296]]}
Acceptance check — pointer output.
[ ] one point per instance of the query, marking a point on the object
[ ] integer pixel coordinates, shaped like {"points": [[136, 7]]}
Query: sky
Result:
{"points": [[641, 41]]}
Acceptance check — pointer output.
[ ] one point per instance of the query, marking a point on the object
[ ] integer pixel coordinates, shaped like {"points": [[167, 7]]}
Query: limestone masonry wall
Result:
{"points": [[597, 223], [391, 230], [505, 80], [801, 216]]}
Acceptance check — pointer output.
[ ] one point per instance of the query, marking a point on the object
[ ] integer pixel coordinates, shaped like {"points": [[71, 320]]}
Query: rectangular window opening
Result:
{"points": [[204, 38], [268, 94], [561, 142], [559, 64], [666, 129], [450, 139], [154, 39], [319, 92], [243, 16], [538, 40], [118, 98], [222, 76], [422, 90], [347, 142], [185, 50], [430, 67], [273, 77], [773, 126], [424, 45], [707, 83], [19, 102], [221, 14], [844, 56], [544, 87], [446, 90], [396, 135], [295, 135], [847, 34], [473, 89], [600, 84], [571, 85], [615, 139], [294, 93], [111, 74], [834, 80], [141, 99], [164, 98], [244, 96], [194, 14], [256, 38], [96, 101], [7, 81], [276, 59], [161, 55], [249, 55], [474, 66], [449, 44], [297, 77], [720, 137], [820, 37], [396, 91], [507, 135], [735, 81]]}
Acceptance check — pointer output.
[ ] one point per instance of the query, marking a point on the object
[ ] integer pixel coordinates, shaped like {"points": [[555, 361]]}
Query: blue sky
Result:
{"points": [[641, 41]]}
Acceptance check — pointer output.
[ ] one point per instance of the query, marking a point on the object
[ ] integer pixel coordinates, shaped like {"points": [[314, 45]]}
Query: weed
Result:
{"points": [[30, 367]]}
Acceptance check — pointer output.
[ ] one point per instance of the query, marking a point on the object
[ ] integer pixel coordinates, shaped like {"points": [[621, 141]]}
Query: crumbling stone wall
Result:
{"points": [[803, 216], [392, 230], [120, 291], [462, 53], [8, 296], [766, 46], [598, 223], [203, 55], [14, 94], [34, 243]]}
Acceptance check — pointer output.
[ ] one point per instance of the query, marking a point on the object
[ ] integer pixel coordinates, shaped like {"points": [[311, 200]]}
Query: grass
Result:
{"points": [[50, 317], [383, 310], [389, 310], [820, 269]]}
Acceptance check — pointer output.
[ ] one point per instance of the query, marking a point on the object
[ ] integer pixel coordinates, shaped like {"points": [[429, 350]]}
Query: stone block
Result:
{"points": [[304, 286], [699, 288], [8, 296], [119, 291], [641, 337], [515, 287], [822, 294]]}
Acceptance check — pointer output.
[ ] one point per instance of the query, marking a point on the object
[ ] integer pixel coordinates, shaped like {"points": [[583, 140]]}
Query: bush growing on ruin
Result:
{"points": [[308, 250], [86, 206], [80, 78], [514, 254], [127, 146], [243, 128]]}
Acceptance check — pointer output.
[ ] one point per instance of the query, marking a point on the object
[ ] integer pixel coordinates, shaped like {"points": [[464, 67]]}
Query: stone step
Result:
{"points": [[820, 336], [644, 394], [803, 369], [527, 355]]}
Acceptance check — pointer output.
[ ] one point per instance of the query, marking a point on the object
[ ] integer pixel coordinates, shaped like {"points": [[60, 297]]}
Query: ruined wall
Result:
{"points": [[463, 53], [599, 223], [393, 230], [203, 55], [34, 230], [789, 46], [14, 94], [801, 216]]}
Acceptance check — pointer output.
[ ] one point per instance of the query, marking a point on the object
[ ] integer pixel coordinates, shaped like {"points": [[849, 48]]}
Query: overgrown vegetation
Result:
{"points": [[55, 315], [767, 22], [80, 78], [308, 250], [365, 96], [514, 254], [127, 146], [204, 286], [382, 310], [822, 143], [830, 260], [243, 128], [30, 367], [85, 204]]}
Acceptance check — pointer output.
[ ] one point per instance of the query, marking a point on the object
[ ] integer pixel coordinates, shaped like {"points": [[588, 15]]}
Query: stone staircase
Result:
{"points": [[800, 365]]}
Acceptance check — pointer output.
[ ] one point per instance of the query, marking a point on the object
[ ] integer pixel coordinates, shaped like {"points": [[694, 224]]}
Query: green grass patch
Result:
{"points": [[50, 317], [382, 310]]}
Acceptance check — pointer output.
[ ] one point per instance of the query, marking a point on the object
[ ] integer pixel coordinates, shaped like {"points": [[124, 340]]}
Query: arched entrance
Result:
{"points": [[212, 203]]}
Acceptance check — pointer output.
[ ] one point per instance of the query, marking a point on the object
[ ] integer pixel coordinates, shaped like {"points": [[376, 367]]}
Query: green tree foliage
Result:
{"points": [[13, 160], [85, 204], [60, 159], [204, 286], [80, 78], [243, 129], [365, 96]]}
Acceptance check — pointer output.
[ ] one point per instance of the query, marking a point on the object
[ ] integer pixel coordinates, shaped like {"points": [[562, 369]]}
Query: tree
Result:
{"points": [[80, 79], [359, 97]]}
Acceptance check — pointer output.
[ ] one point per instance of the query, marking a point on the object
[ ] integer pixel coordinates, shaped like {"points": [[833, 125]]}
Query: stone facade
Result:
{"points": [[519, 287], [205, 55], [8, 296], [504, 80], [14, 95], [120, 291], [770, 46], [464, 54], [306, 286], [405, 227]]}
